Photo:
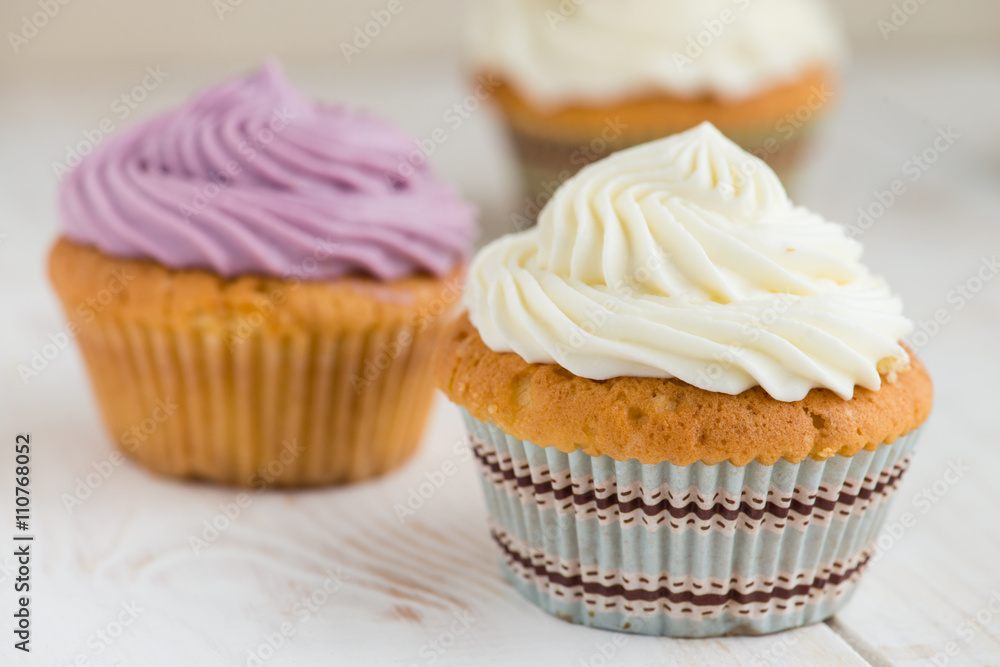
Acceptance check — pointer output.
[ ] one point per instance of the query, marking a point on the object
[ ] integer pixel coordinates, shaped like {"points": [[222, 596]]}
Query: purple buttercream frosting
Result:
{"points": [[251, 177]]}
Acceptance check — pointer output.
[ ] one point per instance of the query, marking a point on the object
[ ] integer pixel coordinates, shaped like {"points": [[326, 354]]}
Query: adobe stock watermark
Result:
{"points": [[8, 568], [957, 298], [39, 358], [225, 7], [561, 13], [453, 117], [583, 155], [375, 365], [432, 651], [121, 108], [712, 29], [229, 513], [597, 315], [32, 24], [786, 128], [130, 440], [925, 329], [793, 122], [223, 520], [599, 312], [595, 318], [606, 652], [923, 501], [365, 34], [308, 266], [777, 651], [267, 474], [265, 305], [901, 14], [912, 170], [248, 150], [101, 640], [967, 630], [434, 480], [303, 611], [750, 333]]}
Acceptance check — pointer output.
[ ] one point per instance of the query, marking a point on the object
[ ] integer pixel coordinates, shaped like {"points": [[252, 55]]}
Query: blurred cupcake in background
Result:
{"points": [[576, 81], [257, 289]]}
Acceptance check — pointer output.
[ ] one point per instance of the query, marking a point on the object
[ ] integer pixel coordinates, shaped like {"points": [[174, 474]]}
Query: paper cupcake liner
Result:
{"points": [[269, 410], [695, 551], [546, 163]]}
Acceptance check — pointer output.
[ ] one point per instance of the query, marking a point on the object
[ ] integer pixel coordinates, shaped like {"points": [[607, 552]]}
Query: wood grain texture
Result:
{"points": [[351, 583], [423, 591]]}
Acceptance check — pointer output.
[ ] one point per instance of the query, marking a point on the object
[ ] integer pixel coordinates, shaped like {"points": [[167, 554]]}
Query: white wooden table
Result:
{"points": [[117, 581]]}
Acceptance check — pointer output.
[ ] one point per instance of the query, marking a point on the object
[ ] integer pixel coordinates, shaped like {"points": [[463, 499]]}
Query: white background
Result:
{"points": [[405, 584]]}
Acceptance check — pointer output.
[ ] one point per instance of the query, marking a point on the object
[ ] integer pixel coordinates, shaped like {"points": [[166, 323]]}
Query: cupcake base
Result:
{"points": [[254, 382], [693, 551], [554, 144], [546, 164]]}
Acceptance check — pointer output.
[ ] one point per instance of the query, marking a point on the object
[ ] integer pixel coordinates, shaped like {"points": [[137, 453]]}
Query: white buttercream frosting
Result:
{"points": [[562, 51], [685, 258]]}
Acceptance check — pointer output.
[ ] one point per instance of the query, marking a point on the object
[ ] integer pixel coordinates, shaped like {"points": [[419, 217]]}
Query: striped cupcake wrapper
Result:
{"points": [[695, 551]]}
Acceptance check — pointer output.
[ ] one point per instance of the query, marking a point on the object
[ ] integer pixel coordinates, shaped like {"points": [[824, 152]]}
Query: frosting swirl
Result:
{"points": [[558, 52], [251, 177], [685, 258]]}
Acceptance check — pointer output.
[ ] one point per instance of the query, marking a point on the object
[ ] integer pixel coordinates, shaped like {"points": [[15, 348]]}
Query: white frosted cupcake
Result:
{"points": [[578, 81], [688, 397]]}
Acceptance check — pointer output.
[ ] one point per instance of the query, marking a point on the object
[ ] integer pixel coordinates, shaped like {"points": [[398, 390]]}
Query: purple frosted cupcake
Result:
{"points": [[255, 288]]}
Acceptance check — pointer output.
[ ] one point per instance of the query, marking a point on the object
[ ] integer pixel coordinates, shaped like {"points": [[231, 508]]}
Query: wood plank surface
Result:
{"points": [[336, 577]]}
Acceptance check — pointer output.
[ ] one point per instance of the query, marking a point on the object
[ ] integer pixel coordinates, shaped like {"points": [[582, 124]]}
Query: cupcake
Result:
{"points": [[578, 81], [255, 288], [687, 396]]}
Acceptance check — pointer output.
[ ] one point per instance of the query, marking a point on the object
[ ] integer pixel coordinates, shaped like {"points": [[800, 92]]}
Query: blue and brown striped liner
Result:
{"points": [[685, 551]]}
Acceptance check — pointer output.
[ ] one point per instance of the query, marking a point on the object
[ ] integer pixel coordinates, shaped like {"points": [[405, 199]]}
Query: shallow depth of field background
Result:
{"points": [[937, 75], [237, 31], [90, 52]]}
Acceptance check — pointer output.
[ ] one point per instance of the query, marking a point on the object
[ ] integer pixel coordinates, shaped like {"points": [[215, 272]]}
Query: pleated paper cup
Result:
{"points": [[553, 144], [693, 551], [545, 163], [254, 382]]}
